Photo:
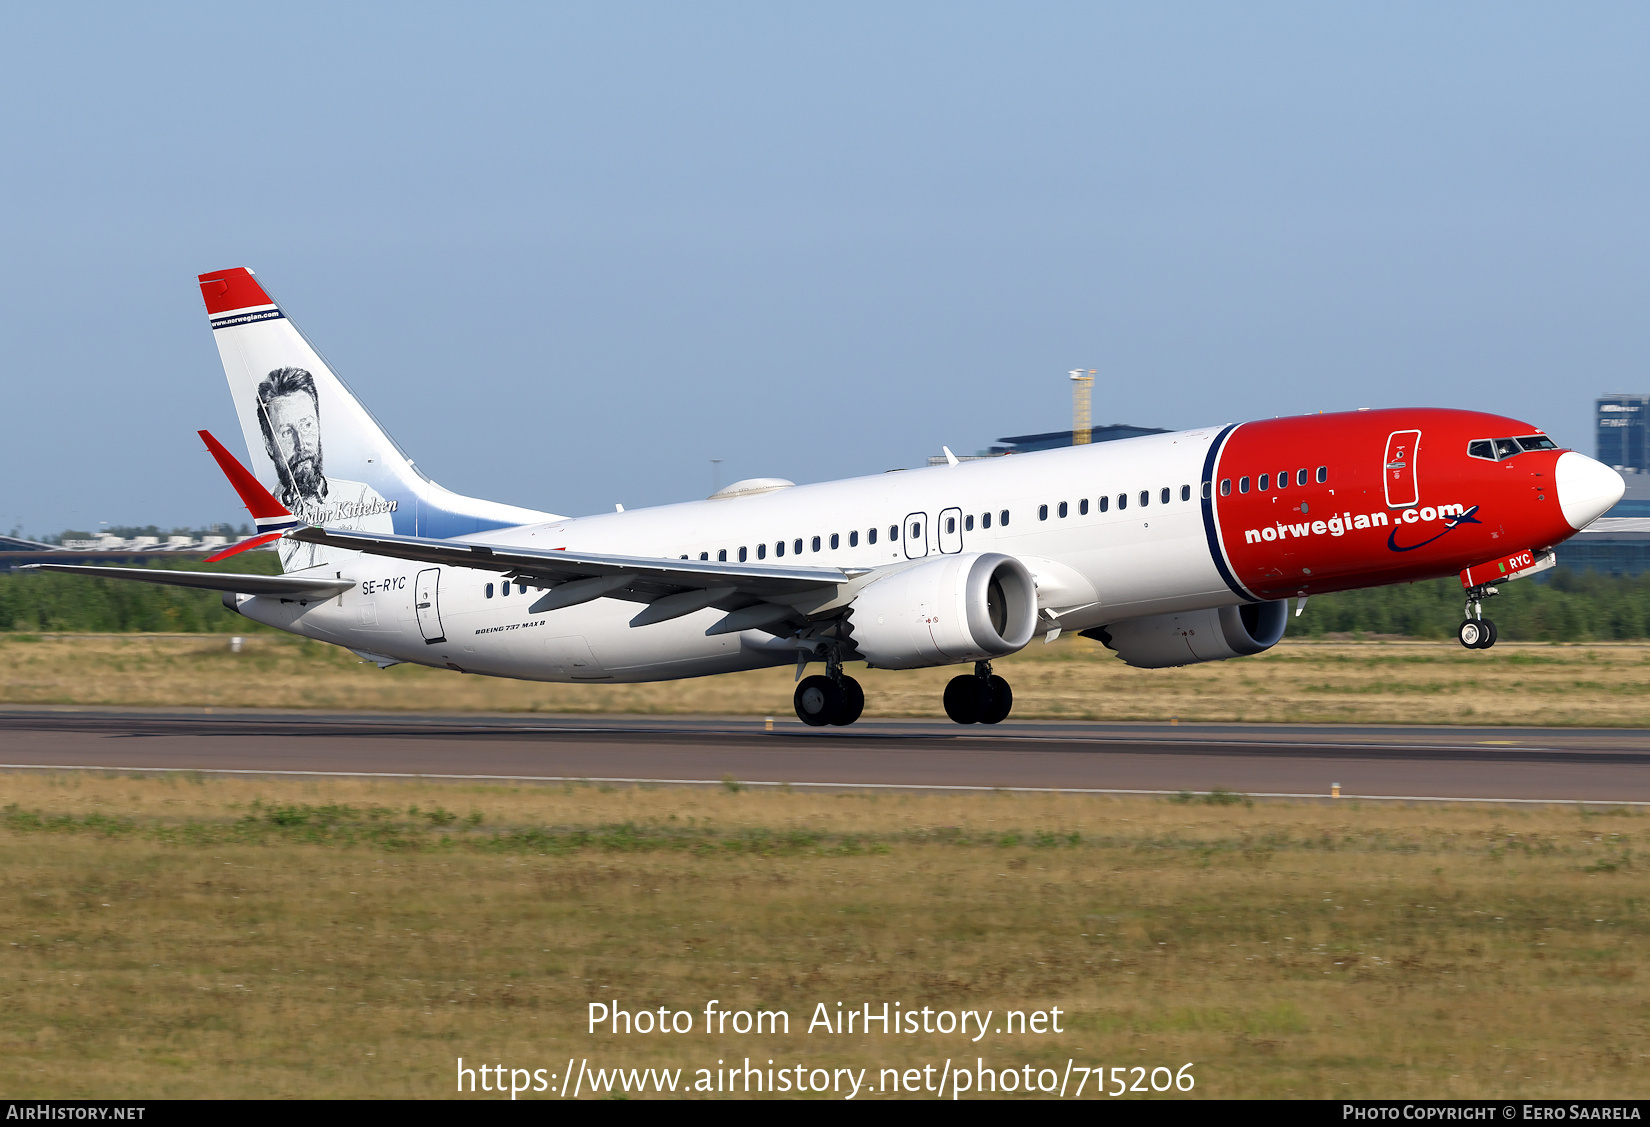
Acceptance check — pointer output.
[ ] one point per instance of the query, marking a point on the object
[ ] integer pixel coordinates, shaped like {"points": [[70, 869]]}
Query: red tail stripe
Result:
{"points": [[236, 549], [255, 497], [231, 289]]}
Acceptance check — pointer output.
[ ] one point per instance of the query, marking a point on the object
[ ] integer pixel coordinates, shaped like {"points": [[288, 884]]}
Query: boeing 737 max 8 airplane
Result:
{"points": [[1170, 548]]}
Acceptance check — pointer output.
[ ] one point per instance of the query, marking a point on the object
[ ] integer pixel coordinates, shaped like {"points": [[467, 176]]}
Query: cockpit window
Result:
{"points": [[1496, 449]]}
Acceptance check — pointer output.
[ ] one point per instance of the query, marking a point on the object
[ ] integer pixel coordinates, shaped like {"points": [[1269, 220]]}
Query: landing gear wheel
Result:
{"points": [[1475, 634], [818, 701], [996, 709], [1493, 634], [962, 699], [853, 702]]}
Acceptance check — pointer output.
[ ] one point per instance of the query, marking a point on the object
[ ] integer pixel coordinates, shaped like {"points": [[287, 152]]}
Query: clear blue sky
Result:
{"points": [[568, 254]]}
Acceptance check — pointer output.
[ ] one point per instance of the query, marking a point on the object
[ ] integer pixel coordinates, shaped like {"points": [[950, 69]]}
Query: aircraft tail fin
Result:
{"points": [[313, 445]]}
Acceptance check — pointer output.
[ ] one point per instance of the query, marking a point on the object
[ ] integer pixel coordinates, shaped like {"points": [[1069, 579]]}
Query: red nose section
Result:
{"points": [[225, 290]]}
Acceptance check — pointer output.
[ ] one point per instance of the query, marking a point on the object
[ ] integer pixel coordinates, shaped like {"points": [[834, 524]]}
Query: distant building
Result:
{"points": [[1624, 432], [105, 549]]}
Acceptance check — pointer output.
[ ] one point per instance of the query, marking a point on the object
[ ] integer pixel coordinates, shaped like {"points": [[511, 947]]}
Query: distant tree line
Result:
{"points": [[1565, 607], [41, 602], [1562, 606]]}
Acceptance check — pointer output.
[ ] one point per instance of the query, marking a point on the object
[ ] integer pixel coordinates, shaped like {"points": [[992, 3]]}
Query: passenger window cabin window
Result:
{"points": [[742, 555], [1145, 497], [1265, 482], [1243, 484], [916, 531], [853, 538], [1164, 496], [1323, 474], [1226, 486], [815, 543], [1064, 509], [503, 589], [968, 523], [722, 555], [1042, 512], [1185, 493], [1283, 479], [1300, 477], [779, 548], [950, 525], [489, 590], [1083, 507], [836, 541], [797, 546], [985, 520], [1002, 519], [871, 536], [704, 555], [762, 550], [1105, 503], [1207, 489], [521, 588], [893, 532], [1122, 501]]}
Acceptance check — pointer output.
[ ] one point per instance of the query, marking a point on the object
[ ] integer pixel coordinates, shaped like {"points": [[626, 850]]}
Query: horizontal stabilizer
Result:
{"points": [[286, 586]]}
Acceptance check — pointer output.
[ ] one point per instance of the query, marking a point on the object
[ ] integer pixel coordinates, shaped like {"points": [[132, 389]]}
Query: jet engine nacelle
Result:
{"points": [[1200, 635], [942, 611]]}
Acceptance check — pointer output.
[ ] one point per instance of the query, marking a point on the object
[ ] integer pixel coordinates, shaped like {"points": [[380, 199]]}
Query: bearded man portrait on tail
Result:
{"points": [[289, 414]]}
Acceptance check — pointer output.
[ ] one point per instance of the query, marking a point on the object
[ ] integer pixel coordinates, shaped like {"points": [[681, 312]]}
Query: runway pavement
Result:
{"points": [[1610, 766]]}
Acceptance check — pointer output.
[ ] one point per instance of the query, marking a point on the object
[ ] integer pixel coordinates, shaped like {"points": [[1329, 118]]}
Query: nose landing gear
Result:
{"points": [[1477, 632], [980, 698]]}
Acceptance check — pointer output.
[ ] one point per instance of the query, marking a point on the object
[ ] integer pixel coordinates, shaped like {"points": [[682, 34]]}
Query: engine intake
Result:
{"points": [[971, 607], [1165, 640]]}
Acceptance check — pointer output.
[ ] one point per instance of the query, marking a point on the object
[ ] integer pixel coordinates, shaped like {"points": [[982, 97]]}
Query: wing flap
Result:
{"points": [[286, 586]]}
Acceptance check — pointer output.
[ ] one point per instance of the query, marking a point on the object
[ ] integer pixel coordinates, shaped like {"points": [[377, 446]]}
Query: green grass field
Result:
{"points": [[1390, 682], [195, 937]]}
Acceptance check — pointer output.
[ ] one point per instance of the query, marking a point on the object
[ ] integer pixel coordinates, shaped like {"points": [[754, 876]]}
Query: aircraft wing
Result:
{"points": [[285, 586], [636, 578]]}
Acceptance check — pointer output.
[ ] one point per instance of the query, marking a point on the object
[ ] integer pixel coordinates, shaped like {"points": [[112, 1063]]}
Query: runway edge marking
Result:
{"points": [[782, 783]]}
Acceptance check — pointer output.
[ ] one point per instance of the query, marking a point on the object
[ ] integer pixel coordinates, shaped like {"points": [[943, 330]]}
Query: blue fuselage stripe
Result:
{"points": [[1216, 553]]}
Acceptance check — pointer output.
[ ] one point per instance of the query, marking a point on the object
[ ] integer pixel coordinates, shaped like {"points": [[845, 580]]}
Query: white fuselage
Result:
{"points": [[1091, 567]]}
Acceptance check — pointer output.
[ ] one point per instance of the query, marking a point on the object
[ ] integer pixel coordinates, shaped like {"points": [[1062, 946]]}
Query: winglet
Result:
{"points": [[272, 517], [258, 500]]}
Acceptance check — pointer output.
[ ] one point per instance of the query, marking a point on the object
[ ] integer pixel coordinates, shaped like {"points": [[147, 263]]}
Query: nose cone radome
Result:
{"points": [[1586, 489]]}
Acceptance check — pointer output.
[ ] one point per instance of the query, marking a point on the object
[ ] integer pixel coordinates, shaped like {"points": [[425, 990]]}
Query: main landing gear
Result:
{"points": [[835, 698], [1477, 632], [980, 698]]}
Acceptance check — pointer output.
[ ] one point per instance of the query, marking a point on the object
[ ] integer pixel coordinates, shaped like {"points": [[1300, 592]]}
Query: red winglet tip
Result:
{"points": [[224, 290], [243, 546], [258, 500]]}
